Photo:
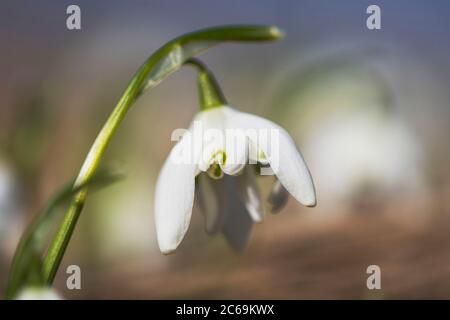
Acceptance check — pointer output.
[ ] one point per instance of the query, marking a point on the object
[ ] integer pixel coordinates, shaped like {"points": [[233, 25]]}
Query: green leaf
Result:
{"points": [[175, 53], [27, 265]]}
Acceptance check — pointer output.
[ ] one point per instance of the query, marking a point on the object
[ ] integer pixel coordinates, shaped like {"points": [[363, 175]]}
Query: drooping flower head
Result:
{"points": [[215, 160]]}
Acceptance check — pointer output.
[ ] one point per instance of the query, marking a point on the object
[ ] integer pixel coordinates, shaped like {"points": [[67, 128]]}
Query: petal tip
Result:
{"points": [[310, 203], [258, 220], [166, 250]]}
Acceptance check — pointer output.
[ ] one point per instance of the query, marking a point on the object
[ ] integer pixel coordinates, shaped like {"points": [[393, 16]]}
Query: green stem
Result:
{"points": [[210, 94], [163, 62]]}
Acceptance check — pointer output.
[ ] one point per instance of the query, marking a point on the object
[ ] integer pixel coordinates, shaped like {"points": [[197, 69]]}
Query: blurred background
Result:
{"points": [[370, 110]]}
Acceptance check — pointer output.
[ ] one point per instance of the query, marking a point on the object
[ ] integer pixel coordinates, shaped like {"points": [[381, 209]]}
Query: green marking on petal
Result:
{"points": [[215, 172]]}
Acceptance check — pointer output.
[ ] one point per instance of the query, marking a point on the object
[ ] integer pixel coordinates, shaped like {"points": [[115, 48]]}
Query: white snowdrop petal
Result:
{"points": [[237, 225], [208, 193], [278, 197], [285, 159], [174, 197], [236, 157], [250, 194], [236, 146]]}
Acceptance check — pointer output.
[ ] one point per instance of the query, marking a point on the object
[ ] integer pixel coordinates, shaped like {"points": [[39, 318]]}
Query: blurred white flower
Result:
{"points": [[366, 150], [8, 198], [354, 114], [38, 293], [226, 202]]}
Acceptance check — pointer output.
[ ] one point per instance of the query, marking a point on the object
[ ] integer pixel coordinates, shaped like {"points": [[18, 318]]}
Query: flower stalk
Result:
{"points": [[156, 68], [210, 94]]}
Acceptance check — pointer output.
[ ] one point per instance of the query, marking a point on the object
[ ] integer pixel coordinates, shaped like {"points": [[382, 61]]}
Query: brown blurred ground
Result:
{"points": [[296, 260]]}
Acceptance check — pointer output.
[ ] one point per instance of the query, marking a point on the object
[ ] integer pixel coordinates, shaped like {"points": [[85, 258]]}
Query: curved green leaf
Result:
{"points": [[175, 53], [26, 267]]}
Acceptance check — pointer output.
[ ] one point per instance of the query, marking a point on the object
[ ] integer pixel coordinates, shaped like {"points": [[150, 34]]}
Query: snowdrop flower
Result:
{"points": [[38, 293], [215, 159]]}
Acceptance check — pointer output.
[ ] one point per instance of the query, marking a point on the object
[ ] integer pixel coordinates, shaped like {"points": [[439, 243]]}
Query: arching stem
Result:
{"points": [[158, 66]]}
